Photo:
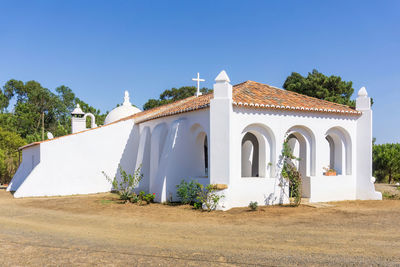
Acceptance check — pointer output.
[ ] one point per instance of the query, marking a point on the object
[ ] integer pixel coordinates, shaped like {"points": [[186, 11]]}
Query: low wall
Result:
{"points": [[266, 191], [332, 188], [74, 164]]}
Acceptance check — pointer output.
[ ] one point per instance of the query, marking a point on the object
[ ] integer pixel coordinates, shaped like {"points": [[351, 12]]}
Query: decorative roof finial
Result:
{"points": [[222, 77], [126, 99], [77, 110], [362, 92]]}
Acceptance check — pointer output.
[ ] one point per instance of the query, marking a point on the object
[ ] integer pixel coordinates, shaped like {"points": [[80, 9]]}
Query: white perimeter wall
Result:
{"points": [[73, 164]]}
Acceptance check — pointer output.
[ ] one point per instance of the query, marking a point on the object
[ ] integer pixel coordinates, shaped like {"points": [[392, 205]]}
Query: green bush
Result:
{"points": [[209, 197], [197, 205], [253, 205], [147, 198], [188, 192], [126, 186]]}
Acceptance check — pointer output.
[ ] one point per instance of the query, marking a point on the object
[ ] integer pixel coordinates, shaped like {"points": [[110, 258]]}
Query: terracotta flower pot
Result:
{"points": [[330, 173]]}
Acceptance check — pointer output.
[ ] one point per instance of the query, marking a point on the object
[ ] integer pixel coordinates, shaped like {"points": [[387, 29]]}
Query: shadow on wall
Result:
{"points": [[129, 155]]}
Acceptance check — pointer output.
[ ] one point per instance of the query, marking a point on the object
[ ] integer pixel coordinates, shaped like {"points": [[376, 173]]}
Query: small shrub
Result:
{"points": [[126, 185], [253, 205], [197, 205], [188, 192], [134, 198], [208, 197], [145, 198]]}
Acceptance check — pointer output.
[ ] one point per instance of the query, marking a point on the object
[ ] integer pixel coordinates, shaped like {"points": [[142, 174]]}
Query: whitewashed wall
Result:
{"points": [[73, 164], [174, 148], [277, 124]]}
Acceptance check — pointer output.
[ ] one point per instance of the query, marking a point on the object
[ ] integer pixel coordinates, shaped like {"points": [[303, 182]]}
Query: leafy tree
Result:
{"points": [[316, 84], [9, 158], [3, 102], [36, 110], [386, 161], [172, 95]]}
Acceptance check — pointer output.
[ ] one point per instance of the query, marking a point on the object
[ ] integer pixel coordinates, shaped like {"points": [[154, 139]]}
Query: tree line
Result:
{"points": [[37, 110]]}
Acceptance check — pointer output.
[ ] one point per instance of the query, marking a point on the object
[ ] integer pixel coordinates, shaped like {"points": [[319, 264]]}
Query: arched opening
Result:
{"points": [[339, 150], [298, 146], [90, 120], [303, 147], [205, 156], [258, 151], [250, 156], [200, 152], [301, 140]]}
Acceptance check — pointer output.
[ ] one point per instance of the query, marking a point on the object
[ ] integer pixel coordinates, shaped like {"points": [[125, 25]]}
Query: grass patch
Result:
{"points": [[106, 201], [388, 195]]}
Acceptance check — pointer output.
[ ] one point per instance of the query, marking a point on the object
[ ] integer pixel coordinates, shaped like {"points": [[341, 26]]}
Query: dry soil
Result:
{"points": [[97, 230]]}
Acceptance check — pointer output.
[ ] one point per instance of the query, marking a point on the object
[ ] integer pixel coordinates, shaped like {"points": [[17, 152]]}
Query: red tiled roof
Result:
{"points": [[248, 94], [251, 95], [258, 95]]}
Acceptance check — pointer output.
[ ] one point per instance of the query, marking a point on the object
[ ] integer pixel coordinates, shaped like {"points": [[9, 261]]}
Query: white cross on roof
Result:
{"points": [[198, 80]]}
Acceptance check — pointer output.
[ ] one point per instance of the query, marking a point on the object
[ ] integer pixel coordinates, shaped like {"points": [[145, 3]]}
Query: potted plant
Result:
{"points": [[329, 171]]}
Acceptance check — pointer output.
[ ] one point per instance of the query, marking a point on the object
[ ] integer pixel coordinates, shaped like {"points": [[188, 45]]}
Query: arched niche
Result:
{"points": [[257, 151], [340, 150], [302, 142], [200, 151], [91, 118]]}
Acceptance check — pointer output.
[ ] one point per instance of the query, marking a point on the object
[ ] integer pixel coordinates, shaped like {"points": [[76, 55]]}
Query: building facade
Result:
{"points": [[232, 137]]}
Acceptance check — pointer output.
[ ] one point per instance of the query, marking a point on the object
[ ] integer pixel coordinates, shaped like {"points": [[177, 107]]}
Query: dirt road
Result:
{"points": [[95, 230]]}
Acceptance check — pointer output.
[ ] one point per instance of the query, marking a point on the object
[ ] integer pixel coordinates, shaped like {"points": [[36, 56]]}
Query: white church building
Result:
{"points": [[232, 137]]}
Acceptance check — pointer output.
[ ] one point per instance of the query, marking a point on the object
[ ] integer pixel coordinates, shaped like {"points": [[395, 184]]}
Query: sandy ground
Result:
{"points": [[96, 230]]}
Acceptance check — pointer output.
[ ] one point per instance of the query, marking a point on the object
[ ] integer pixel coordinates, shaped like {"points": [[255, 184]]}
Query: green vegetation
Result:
{"points": [[291, 174], [391, 196], [188, 192], [125, 187], [172, 95], [330, 88], [35, 111], [9, 156], [253, 205], [386, 162], [209, 197], [200, 197]]}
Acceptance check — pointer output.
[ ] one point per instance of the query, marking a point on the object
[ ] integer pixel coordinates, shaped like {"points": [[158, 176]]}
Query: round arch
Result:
{"points": [[92, 119], [261, 141], [200, 149], [306, 146], [340, 150]]}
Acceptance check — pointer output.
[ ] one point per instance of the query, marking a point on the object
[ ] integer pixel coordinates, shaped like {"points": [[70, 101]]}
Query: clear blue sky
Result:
{"points": [[101, 48]]}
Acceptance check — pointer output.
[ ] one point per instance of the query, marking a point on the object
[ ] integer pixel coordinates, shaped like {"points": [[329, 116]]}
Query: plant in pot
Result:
{"points": [[329, 171]]}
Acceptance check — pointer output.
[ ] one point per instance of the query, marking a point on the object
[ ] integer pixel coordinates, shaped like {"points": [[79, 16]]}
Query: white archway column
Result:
{"points": [[322, 153], [220, 131]]}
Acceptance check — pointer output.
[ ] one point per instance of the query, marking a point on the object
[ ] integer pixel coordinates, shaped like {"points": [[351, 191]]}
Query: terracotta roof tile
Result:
{"points": [[252, 95]]}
